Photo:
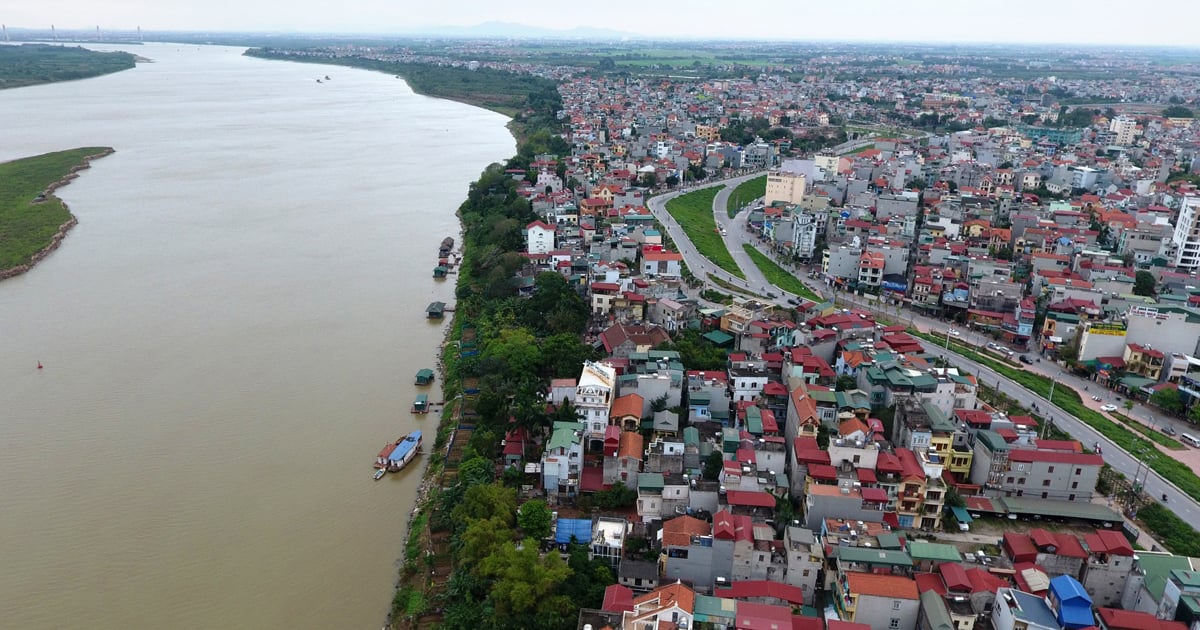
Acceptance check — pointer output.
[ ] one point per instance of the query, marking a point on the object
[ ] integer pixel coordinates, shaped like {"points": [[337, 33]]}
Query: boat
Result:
{"points": [[425, 376], [327, 77], [421, 404], [380, 473], [403, 452]]}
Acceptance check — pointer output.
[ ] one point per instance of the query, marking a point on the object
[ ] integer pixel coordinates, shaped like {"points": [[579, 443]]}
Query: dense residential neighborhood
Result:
{"points": [[750, 455]]}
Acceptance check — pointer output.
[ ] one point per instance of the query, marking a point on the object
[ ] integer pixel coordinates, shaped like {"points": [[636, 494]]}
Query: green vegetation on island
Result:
{"points": [[504, 92], [33, 64], [694, 212], [31, 217]]}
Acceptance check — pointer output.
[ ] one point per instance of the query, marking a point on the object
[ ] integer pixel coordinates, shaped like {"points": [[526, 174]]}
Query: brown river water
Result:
{"points": [[229, 336]]}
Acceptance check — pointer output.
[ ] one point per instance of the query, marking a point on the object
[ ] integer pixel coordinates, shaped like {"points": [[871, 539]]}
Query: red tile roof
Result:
{"points": [[891, 586]]}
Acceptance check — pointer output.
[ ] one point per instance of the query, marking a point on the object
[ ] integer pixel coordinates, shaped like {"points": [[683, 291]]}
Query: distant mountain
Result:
{"points": [[510, 30]]}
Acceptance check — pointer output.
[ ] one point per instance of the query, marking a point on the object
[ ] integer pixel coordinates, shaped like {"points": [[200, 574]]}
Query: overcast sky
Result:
{"points": [[1049, 21]]}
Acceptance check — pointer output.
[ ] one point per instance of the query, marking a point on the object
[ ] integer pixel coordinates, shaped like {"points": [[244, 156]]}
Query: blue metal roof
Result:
{"points": [[579, 528], [1074, 604]]}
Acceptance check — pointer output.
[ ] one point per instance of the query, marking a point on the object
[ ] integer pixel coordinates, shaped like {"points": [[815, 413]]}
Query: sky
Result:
{"points": [[1169, 22]]}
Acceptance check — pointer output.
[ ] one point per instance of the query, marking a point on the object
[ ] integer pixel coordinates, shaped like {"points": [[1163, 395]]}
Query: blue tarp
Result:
{"points": [[579, 528]]}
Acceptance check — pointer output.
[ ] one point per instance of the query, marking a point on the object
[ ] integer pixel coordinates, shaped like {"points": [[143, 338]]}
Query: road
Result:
{"points": [[1155, 485], [1131, 465]]}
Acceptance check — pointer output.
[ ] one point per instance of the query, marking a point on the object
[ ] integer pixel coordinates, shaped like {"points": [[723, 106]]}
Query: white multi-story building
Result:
{"points": [[785, 186], [1187, 235], [1124, 128], [804, 235], [593, 401]]}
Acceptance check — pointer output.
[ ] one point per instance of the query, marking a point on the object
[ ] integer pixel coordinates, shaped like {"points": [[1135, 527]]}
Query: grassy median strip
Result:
{"points": [[694, 213], [745, 192], [1068, 400], [779, 276], [1154, 436]]}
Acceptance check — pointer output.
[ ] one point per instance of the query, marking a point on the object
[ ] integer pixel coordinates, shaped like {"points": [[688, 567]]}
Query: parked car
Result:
{"points": [[1108, 407], [1168, 429], [793, 301], [1026, 360], [1096, 398]]}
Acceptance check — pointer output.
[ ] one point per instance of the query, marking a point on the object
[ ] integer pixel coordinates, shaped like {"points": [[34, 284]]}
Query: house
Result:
{"points": [[1116, 619], [1051, 474], [804, 560], [691, 552], [1147, 583], [661, 264], [1017, 610], [594, 394], [539, 238], [562, 459], [670, 604], [637, 575], [880, 601], [1108, 567], [622, 340], [1071, 604]]}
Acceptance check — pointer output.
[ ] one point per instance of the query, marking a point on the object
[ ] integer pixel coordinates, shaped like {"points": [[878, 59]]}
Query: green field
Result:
{"points": [[26, 226], [694, 213], [779, 276], [32, 64], [745, 192]]}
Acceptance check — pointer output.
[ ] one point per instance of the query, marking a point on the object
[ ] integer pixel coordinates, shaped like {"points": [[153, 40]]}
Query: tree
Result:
{"points": [[476, 471], [845, 383], [1128, 405], [712, 466], [481, 539], [525, 583], [1178, 111], [534, 519], [615, 497], [1143, 283], [1167, 399], [487, 501]]}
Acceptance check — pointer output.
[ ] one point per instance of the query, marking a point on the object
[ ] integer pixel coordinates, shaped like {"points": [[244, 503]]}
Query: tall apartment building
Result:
{"points": [[1187, 235]]}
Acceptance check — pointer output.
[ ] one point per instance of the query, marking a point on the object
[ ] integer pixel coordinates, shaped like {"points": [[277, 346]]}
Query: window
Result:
{"points": [[806, 573], [1074, 485], [1050, 469], [1071, 497], [1010, 480], [1078, 471], [1020, 482], [894, 623], [895, 604], [1044, 495], [1045, 483]]}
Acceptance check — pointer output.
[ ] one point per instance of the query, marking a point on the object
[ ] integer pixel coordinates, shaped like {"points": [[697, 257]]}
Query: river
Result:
{"points": [[229, 336]]}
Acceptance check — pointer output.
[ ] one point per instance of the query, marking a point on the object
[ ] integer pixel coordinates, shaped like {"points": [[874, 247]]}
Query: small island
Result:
{"points": [[34, 64], [32, 220]]}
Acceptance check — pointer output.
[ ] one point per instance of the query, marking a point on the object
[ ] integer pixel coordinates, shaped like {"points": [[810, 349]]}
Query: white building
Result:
{"points": [[804, 235], [1124, 128], [593, 401], [1187, 235], [539, 238], [785, 186]]}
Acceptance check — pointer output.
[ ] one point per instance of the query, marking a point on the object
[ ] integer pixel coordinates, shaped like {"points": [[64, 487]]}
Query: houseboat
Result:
{"points": [[446, 247], [425, 377], [421, 404], [440, 271], [399, 454], [435, 310]]}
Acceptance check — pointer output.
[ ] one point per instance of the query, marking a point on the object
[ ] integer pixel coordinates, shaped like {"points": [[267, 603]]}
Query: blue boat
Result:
{"points": [[406, 449]]}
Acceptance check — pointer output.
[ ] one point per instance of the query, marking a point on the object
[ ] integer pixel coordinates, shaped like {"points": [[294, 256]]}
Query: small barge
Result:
{"points": [[424, 377], [394, 457], [421, 404]]}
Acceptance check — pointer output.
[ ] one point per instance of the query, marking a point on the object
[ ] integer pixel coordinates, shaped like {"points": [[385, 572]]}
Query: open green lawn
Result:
{"points": [[1155, 436], [694, 213], [745, 192], [26, 227], [779, 276]]}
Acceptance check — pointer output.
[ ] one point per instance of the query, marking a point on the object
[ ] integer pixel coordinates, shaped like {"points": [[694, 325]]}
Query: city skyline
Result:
{"points": [[925, 21]]}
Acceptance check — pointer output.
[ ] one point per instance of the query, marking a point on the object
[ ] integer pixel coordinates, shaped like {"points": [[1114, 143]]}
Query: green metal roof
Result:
{"points": [[1186, 578], [936, 612], [872, 555], [718, 337], [888, 540], [754, 421], [564, 435], [1157, 568], [921, 550], [691, 435], [650, 481], [992, 440], [1060, 509], [714, 609]]}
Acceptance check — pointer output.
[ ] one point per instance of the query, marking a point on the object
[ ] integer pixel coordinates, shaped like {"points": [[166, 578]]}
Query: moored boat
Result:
{"points": [[380, 473], [425, 376], [421, 404], [405, 450]]}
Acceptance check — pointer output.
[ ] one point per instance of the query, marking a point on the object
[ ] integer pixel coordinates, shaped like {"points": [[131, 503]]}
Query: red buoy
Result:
{"points": [[39, 365]]}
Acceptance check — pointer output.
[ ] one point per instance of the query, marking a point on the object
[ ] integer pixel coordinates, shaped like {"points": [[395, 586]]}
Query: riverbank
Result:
{"points": [[37, 64], [33, 221]]}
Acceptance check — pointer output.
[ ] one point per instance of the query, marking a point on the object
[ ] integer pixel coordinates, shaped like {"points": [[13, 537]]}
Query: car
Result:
{"points": [[952, 332], [1169, 430], [1096, 398], [793, 301], [1026, 360], [1108, 407]]}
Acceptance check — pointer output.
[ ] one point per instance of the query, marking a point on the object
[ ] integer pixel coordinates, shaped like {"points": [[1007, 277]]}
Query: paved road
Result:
{"points": [[1129, 464]]}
